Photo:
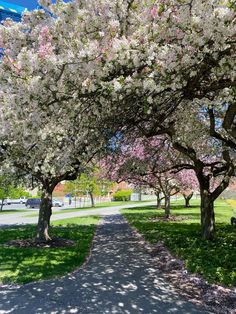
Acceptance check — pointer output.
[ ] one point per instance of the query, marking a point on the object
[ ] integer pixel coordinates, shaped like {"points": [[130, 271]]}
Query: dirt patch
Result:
{"points": [[31, 243]]}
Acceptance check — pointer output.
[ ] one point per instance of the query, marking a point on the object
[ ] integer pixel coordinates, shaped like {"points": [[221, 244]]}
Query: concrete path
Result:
{"points": [[120, 277]]}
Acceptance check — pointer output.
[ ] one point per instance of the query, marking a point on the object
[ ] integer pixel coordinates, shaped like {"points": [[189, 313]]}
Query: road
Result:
{"points": [[20, 217], [22, 206]]}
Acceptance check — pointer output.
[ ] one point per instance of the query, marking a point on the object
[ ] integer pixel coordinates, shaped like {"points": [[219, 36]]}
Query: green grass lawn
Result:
{"points": [[22, 265], [13, 211], [101, 205], [215, 261]]}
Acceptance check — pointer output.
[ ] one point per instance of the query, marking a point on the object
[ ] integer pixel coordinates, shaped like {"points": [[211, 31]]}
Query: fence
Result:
{"points": [[81, 202]]}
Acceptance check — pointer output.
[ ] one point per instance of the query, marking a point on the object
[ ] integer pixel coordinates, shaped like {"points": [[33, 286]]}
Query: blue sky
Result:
{"points": [[30, 4]]}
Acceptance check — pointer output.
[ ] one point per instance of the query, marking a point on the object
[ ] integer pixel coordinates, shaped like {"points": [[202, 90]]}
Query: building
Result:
{"points": [[10, 10]]}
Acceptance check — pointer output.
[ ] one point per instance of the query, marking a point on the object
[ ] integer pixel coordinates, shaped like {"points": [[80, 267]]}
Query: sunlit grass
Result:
{"points": [[22, 265], [216, 260], [88, 220]]}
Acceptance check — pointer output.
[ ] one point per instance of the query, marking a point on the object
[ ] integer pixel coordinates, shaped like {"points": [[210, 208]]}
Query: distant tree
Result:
{"points": [[122, 195], [18, 191], [91, 183], [11, 184], [88, 184], [188, 184], [145, 162]]}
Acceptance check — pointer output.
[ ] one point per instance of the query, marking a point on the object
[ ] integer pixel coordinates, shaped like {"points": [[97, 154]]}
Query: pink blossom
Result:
{"points": [[10, 59], [154, 12], [17, 67], [188, 180], [7, 52], [45, 35], [45, 43], [142, 40], [45, 50]]}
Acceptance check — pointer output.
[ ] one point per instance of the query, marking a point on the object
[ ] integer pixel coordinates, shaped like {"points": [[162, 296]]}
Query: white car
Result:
{"points": [[21, 200], [57, 203], [5, 202]]}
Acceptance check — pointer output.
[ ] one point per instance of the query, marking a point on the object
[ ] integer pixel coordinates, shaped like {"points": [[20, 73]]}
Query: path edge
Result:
{"points": [[216, 293]]}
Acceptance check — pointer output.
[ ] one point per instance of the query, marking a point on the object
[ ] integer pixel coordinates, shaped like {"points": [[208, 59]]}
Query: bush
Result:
{"points": [[122, 195]]}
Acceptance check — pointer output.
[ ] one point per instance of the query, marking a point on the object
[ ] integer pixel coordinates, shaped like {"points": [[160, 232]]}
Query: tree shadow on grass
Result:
{"points": [[8, 233], [214, 259], [150, 216], [182, 207], [22, 265], [147, 207], [154, 207]]}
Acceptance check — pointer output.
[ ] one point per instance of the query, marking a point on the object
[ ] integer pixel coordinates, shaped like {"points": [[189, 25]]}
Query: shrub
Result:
{"points": [[122, 195]]}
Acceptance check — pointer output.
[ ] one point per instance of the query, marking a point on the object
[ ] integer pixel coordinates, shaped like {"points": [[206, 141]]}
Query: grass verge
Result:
{"points": [[101, 205], [215, 261], [22, 265], [13, 211]]}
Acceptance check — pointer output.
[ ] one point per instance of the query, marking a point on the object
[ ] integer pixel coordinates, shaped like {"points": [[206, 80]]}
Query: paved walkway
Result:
{"points": [[120, 277]]}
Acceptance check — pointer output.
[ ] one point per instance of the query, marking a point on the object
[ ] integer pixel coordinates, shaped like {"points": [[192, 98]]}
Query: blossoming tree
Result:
{"points": [[173, 62], [49, 127], [188, 184], [212, 162], [145, 162], [133, 63]]}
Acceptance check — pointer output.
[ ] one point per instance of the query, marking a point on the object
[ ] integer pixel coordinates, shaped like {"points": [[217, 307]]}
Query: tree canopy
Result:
{"points": [[75, 74]]}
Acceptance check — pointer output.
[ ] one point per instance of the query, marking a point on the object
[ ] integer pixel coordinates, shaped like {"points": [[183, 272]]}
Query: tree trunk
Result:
{"points": [[92, 199], [1, 205], [207, 216], [140, 195], [167, 206], [45, 213], [158, 201], [187, 199]]}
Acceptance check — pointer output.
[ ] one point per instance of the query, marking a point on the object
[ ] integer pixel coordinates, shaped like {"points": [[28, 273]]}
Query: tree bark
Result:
{"points": [[1, 205], [227, 170], [45, 213], [140, 195], [167, 206], [207, 215], [187, 199], [92, 199], [158, 201]]}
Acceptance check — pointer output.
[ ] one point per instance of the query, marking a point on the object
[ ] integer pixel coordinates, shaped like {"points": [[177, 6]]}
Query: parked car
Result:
{"points": [[21, 200], [5, 202], [57, 203], [33, 203]]}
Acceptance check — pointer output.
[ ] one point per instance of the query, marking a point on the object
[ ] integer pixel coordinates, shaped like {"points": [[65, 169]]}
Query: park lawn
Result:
{"points": [[22, 265], [101, 205], [215, 261], [12, 211]]}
